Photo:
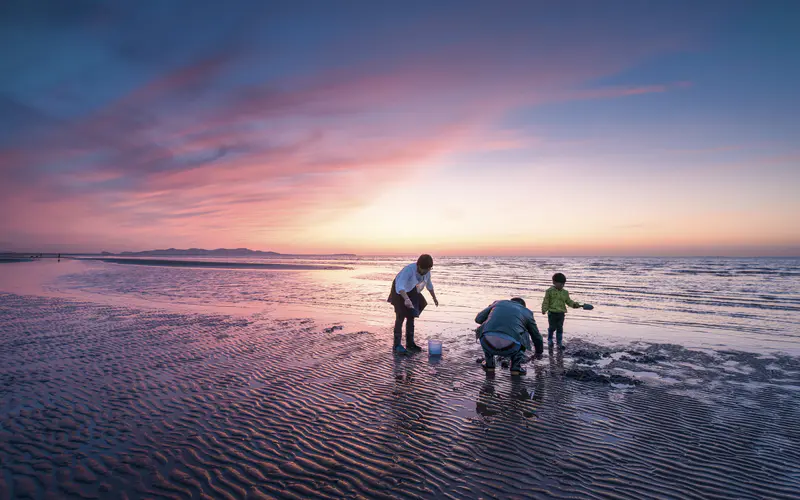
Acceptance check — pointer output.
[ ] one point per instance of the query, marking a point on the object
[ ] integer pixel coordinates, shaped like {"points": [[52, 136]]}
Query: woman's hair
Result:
{"points": [[425, 261], [559, 278]]}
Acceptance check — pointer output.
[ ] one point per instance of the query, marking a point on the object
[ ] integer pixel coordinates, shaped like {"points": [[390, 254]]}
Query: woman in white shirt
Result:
{"points": [[406, 297]]}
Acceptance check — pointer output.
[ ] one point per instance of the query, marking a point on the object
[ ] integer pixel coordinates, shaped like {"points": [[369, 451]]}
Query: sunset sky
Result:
{"points": [[448, 127]]}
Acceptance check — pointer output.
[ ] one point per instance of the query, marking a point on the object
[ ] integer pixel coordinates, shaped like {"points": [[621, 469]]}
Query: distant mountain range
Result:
{"points": [[219, 252]]}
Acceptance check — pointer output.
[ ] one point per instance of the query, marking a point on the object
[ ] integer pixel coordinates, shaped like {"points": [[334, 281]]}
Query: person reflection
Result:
{"points": [[556, 361]]}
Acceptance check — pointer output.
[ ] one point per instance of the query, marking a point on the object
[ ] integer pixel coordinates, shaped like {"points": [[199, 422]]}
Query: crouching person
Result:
{"points": [[506, 330]]}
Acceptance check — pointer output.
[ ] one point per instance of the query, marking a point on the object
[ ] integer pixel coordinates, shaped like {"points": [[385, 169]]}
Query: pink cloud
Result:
{"points": [[277, 156]]}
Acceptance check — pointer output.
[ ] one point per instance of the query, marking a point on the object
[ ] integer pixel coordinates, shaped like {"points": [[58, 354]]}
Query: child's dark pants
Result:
{"points": [[555, 323]]}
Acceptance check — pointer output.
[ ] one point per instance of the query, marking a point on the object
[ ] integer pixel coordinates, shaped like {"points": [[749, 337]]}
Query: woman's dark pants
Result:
{"points": [[408, 316], [401, 312]]}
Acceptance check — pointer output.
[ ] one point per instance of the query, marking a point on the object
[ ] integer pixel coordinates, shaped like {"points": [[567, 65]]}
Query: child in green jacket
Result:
{"points": [[554, 305]]}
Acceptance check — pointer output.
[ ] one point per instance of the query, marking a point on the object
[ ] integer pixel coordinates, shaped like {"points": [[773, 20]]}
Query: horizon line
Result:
{"points": [[413, 255]]}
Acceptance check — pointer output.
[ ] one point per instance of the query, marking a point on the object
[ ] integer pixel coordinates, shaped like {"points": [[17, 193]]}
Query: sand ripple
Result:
{"points": [[116, 402]]}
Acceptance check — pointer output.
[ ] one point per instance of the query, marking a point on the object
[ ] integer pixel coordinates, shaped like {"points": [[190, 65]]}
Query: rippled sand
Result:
{"points": [[119, 402]]}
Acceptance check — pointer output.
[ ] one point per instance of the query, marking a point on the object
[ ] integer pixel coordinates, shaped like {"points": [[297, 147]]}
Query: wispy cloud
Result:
{"points": [[627, 91]]}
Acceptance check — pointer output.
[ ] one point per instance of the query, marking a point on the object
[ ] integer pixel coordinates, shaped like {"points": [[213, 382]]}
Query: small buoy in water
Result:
{"points": [[434, 347]]}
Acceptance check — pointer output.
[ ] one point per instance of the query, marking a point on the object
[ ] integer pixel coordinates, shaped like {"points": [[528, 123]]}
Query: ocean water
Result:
{"points": [[742, 303]]}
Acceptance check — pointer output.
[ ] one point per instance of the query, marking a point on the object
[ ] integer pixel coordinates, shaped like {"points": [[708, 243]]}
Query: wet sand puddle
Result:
{"points": [[120, 402]]}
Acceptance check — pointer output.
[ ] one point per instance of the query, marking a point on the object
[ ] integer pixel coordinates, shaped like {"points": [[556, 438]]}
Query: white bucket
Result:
{"points": [[434, 347]]}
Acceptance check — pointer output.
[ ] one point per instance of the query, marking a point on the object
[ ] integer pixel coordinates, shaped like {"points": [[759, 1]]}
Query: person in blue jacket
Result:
{"points": [[506, 330]]}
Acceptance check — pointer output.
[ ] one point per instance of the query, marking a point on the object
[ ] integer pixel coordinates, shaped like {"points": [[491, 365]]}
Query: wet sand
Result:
{"points": [[211, 264], [113, 401]]}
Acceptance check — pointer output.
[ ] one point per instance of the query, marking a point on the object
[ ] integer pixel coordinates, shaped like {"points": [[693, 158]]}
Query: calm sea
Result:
{"points": [[750, 301]]}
